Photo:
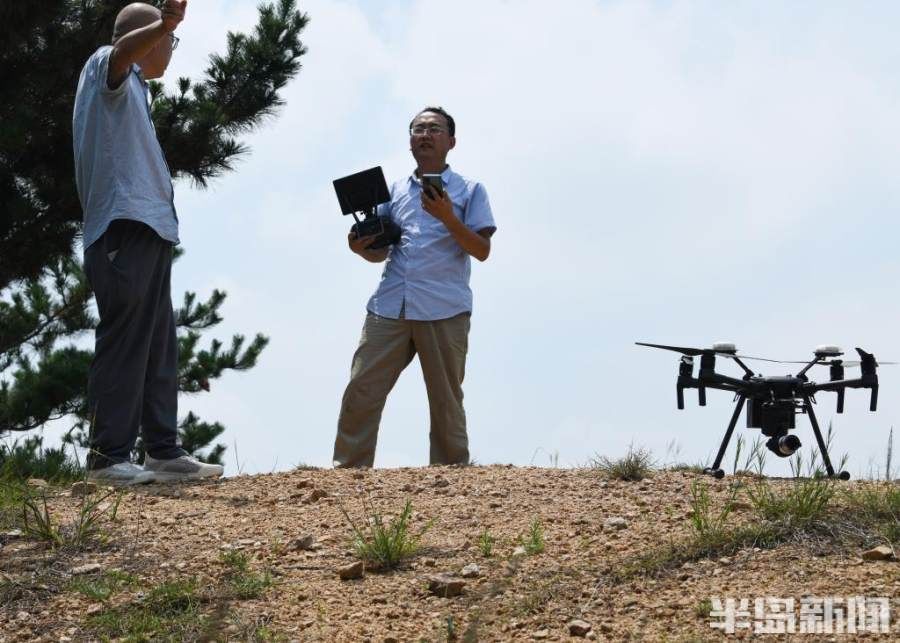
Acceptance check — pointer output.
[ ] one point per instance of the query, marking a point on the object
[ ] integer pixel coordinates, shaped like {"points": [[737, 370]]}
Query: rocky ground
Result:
{"points": [[291, 524]]}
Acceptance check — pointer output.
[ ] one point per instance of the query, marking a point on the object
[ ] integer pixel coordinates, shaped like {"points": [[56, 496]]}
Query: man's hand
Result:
{"points": [[173, 14], [359, 244], [437, 205]]}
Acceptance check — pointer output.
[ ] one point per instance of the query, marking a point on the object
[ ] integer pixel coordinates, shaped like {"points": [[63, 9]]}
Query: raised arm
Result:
{"points": [[139, 28]]}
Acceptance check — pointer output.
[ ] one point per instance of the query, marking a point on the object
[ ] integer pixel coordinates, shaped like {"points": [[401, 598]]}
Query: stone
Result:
{"points": [[470, 571], [305, 542], [616, 523], [445, 586], [351, 571], [315, 495], [579, 627], [82, 489], [540, 634], [519, 551], [89, 568], [440, 481], [37, 483], [882, 552]]}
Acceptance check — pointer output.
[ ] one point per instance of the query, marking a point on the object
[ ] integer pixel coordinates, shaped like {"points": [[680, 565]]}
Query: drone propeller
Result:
{"points": [[694, 352], [725, 351]]}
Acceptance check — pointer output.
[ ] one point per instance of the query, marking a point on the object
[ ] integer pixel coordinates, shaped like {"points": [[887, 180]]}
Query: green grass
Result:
{"points": [[534, 541], [815, 512], [384, 545], [637, 464], [168, 612], [486, 543], [87, 527], [103, 587], [243, 582]]}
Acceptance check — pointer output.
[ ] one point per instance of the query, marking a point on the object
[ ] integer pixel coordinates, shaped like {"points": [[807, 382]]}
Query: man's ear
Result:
{"points": [[452, 142]]}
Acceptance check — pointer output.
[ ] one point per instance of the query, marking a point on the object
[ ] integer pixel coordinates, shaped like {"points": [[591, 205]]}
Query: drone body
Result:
{"points": [[773, 402]]}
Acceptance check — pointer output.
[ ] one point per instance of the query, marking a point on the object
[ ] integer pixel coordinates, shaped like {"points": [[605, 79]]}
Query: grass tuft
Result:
{"points": [[637, 464], [384, 545], [244, 583]]}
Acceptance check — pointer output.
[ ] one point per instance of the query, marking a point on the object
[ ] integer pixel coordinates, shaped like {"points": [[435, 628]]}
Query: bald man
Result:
{"points": [[130, 227]]}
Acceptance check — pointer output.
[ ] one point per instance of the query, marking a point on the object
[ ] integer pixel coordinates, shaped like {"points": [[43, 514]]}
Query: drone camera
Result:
{"points": [[784, 446]]}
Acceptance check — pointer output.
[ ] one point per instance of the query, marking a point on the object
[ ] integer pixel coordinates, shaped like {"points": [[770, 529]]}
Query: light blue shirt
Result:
{"points": [[120, 169], [427, 272]]}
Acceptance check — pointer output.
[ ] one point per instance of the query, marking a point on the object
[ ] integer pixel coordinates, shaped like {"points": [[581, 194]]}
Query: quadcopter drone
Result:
{"points": [[773, 402]]}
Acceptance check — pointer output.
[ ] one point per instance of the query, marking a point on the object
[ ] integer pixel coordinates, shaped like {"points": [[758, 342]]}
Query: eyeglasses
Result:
{"points": [[175, 41], [420, 130]]}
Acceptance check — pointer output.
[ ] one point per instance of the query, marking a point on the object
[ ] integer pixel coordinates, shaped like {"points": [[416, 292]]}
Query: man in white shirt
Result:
{"points": [[130, 228]]}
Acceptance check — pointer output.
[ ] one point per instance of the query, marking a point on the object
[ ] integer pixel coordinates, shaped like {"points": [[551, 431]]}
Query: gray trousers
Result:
{"points": [[133, 383], [386, 347]]}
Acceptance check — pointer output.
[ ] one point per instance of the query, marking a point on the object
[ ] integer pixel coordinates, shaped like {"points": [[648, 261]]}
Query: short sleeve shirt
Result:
{"points": [[427, 272], [120, 169]]}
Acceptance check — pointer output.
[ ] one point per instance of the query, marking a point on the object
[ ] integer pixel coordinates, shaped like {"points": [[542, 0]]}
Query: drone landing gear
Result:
{"points": [[716, 471], [843, 475]]}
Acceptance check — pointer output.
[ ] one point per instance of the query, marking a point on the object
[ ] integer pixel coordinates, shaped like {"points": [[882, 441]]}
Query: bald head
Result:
{"points": [[134, 16]]}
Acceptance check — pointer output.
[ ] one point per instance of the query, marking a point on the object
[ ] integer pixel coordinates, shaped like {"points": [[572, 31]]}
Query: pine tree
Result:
{"points": [[45, 311]]}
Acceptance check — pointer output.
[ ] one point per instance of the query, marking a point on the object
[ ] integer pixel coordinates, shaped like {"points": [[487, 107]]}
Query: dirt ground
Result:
{"points": [[180, 531]]}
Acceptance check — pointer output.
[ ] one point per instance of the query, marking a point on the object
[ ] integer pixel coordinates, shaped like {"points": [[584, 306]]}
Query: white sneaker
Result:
{"points": [[123, 474], [182, 468]]}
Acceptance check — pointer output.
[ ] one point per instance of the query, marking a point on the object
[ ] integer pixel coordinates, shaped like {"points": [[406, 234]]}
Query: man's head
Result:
{"points": [[135, 16], [432, 134]]}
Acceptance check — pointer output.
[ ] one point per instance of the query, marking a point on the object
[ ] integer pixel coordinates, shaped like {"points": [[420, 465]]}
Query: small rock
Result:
{"points": [[445, 586], [303, 483], [305, 542], [85, 569], [882, 552], [358, 475], [724, 561], [315, 495], [579, 627], [440, 481], [429, 562], [82, 489], [22, 616], [96, 608], [470, 571], [351, 571], [519, 551], [616, 523], [540, 634], [37, 483]]}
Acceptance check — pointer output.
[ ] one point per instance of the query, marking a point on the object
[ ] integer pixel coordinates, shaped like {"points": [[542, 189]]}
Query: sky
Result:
{"points": [[672, 172]]}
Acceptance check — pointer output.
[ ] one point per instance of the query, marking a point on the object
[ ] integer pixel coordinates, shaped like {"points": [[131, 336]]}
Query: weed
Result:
{"points": [[486, 543], [534, 542], [704, 608], [102, 587], [244, 582], [382, 545], [795, 506], [636, 465], [93, 510], [170, 611]]}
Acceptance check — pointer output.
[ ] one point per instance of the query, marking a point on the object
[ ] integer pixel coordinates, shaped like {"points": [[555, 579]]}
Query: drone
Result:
{"points": [[773, 402]]}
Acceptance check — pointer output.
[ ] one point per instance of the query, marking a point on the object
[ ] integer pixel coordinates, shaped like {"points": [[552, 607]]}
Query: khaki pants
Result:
{"points": [[386, 347]]}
